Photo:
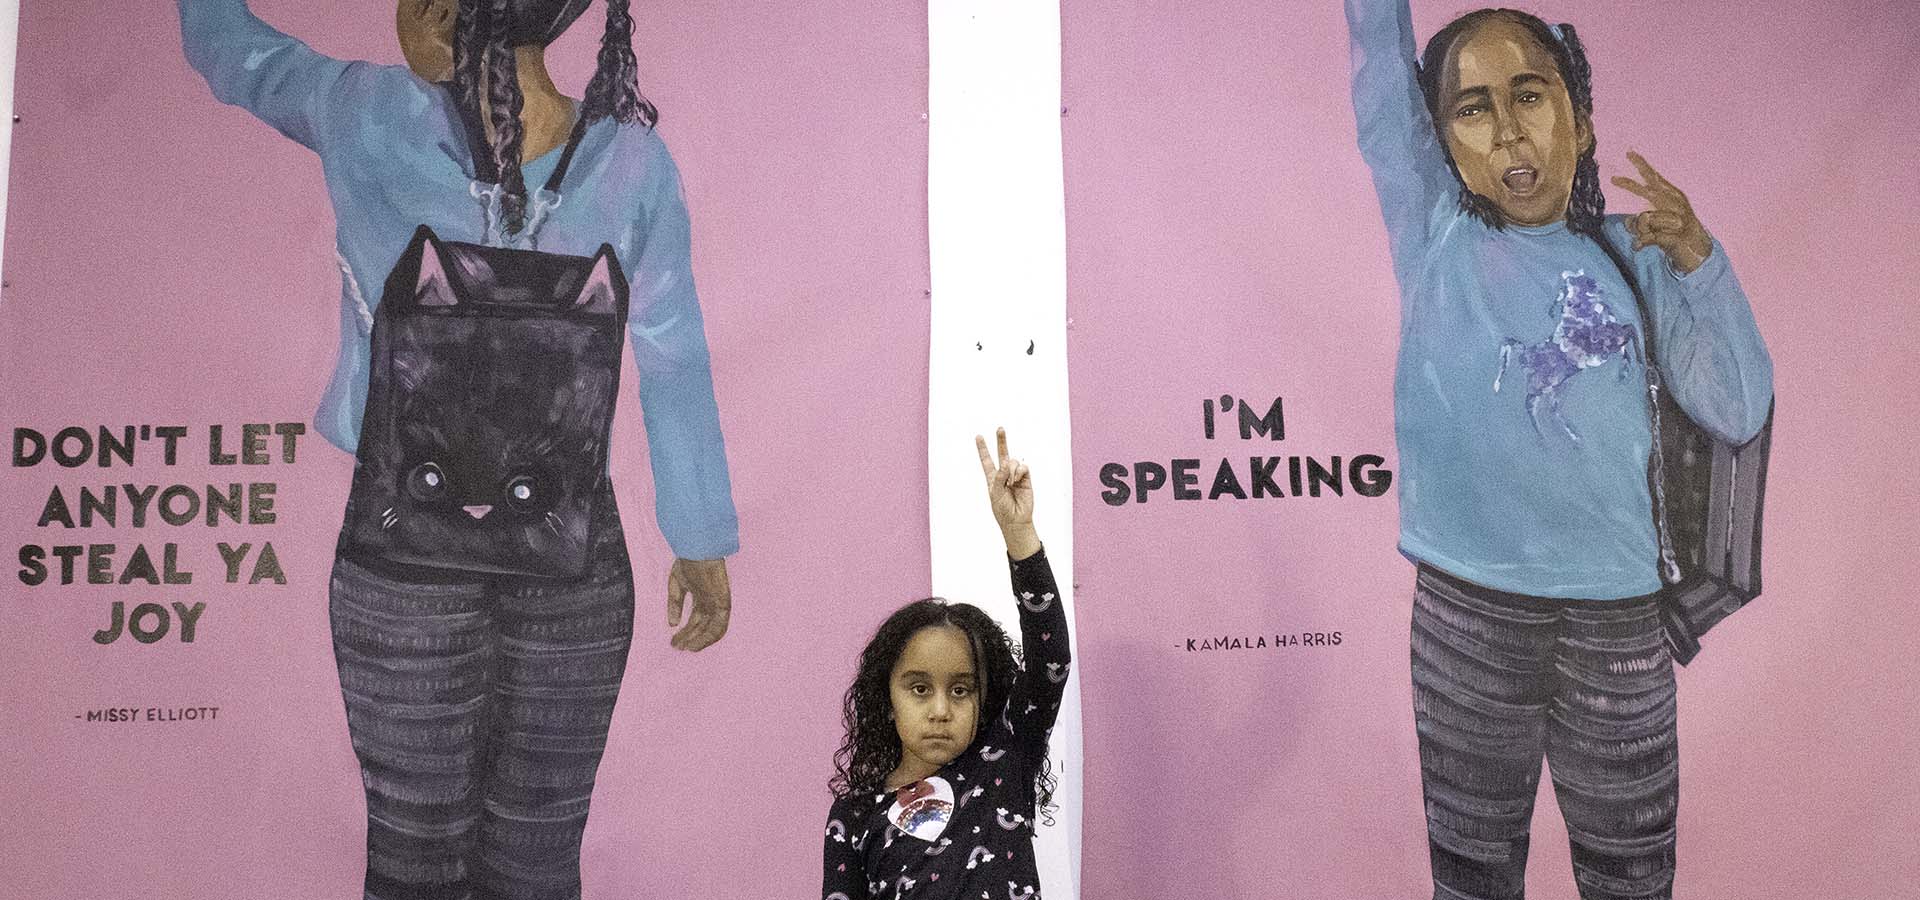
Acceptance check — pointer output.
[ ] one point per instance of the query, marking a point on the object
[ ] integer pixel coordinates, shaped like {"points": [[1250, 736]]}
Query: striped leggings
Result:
{"points": [[478, 707], [1499, 680]]}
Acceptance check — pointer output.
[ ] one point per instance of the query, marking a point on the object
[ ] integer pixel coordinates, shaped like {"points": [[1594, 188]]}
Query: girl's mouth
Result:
{"points": [[1520, 180]]}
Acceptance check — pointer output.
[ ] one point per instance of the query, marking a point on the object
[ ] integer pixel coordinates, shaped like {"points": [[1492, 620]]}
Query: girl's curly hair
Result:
{"points": [[1586, 207], [484, 35], [871, 749]]}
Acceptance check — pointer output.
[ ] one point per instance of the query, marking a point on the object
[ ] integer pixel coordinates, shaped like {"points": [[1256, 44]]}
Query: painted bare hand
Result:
{"points": [[1670, 224], [706, 581]]}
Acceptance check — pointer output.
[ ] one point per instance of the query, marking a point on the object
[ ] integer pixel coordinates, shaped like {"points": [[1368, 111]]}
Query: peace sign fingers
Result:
{"points": [[1009, 488], [1653, 187], [987, 465], [1670, 224]]}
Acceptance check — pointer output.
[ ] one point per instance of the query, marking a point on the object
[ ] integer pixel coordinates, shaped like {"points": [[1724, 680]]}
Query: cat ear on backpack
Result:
{"points": [[604, 292], [432, 287]]}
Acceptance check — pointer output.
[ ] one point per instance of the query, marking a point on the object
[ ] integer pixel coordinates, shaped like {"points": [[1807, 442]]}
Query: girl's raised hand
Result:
{"points": [[1670, 224], [1010, 493]]}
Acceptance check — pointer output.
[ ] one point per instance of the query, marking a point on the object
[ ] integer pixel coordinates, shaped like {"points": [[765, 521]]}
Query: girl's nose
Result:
{"points": [[941, 709], [1506, 128]]}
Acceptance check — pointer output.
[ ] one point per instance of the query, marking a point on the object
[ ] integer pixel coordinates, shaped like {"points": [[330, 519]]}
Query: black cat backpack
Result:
{"points": [[492, 382]]}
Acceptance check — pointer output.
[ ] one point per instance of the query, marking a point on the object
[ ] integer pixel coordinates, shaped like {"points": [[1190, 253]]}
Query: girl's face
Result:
{"points": [[936, 700], [426, 37], [1510, 125]]}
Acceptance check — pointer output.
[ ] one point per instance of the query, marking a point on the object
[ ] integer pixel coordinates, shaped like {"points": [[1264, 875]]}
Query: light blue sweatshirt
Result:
{"points": [[1520, 413], [395, 157]]}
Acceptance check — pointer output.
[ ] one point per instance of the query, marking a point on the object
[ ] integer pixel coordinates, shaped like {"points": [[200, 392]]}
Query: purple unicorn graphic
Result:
{"points": [[1586, 336]]}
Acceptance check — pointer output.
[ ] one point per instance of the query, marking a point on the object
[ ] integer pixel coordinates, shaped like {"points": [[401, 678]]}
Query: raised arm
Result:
{"points": [[1709, 345], [1397, 139], [251, 65], [1033, 700]]}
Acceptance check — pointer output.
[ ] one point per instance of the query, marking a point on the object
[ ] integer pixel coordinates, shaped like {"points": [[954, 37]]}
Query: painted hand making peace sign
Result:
{"points": [[1010, 493], [1670, 224]]}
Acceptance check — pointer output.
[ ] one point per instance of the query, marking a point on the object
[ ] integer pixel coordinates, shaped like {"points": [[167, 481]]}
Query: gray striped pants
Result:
{"points": [[479, 707], [1500, 680]]}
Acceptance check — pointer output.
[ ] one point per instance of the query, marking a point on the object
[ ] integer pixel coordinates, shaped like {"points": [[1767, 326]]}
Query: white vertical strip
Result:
{"points": [[9, 37], [997, 228]]}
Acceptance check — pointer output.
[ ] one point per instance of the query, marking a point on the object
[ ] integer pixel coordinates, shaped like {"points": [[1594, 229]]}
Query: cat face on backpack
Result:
{"points": [[496, 376]]}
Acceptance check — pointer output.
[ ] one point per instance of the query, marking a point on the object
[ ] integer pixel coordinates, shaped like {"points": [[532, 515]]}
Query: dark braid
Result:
{"points": [[1586, 207], [615, 88], [469, 60], [485, 35], [504, 102]]}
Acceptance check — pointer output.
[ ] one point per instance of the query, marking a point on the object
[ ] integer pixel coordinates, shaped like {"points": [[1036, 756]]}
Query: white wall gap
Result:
{"points": [[997, 235]]}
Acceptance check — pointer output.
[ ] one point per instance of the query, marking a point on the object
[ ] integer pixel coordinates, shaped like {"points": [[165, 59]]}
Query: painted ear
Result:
{"points": [[597, 295], [433, 288]]}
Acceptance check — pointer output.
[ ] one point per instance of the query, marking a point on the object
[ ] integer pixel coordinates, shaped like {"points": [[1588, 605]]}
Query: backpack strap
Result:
{"points": [[1656, 465], [566, 155]]}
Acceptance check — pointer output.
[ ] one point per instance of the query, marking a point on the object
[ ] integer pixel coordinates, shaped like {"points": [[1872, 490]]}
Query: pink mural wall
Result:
{"points": [[170, 262], [1224, 238]]}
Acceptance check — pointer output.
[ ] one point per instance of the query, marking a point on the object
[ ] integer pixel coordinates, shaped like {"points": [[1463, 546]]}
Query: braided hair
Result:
{"points": [[1586, 206], [872, 749], [484, 37]]}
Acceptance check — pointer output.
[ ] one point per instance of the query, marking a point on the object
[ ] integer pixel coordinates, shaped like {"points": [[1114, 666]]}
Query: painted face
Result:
{"points": [[426, 36], [936, 700], [1510, 124]]}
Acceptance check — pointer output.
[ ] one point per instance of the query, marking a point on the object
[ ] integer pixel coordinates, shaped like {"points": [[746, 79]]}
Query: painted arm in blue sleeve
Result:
{"points": [[1709, 346], [693, 495], [1710, 349], [251, 65], [1410, 171]]}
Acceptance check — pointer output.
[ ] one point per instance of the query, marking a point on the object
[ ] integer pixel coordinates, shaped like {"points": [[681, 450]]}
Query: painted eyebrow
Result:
{"points": [[1477, 93]]}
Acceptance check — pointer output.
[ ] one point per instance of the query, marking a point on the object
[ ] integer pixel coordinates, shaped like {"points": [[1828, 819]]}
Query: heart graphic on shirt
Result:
{"points": [[922, 808]]}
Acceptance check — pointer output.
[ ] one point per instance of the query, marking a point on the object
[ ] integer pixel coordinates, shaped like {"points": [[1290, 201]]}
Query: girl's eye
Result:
{"points": [[961, 690], [1529, 97], [1466, 112], [918, 690]]}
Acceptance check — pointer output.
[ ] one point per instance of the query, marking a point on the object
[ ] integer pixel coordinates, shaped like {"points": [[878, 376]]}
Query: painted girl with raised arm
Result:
{"points": [[1521, 413]]}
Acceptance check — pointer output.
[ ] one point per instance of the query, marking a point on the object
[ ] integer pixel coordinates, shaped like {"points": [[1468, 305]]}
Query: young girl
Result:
{"points": [[1521, 412], [479, 703], [944, 766]]}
